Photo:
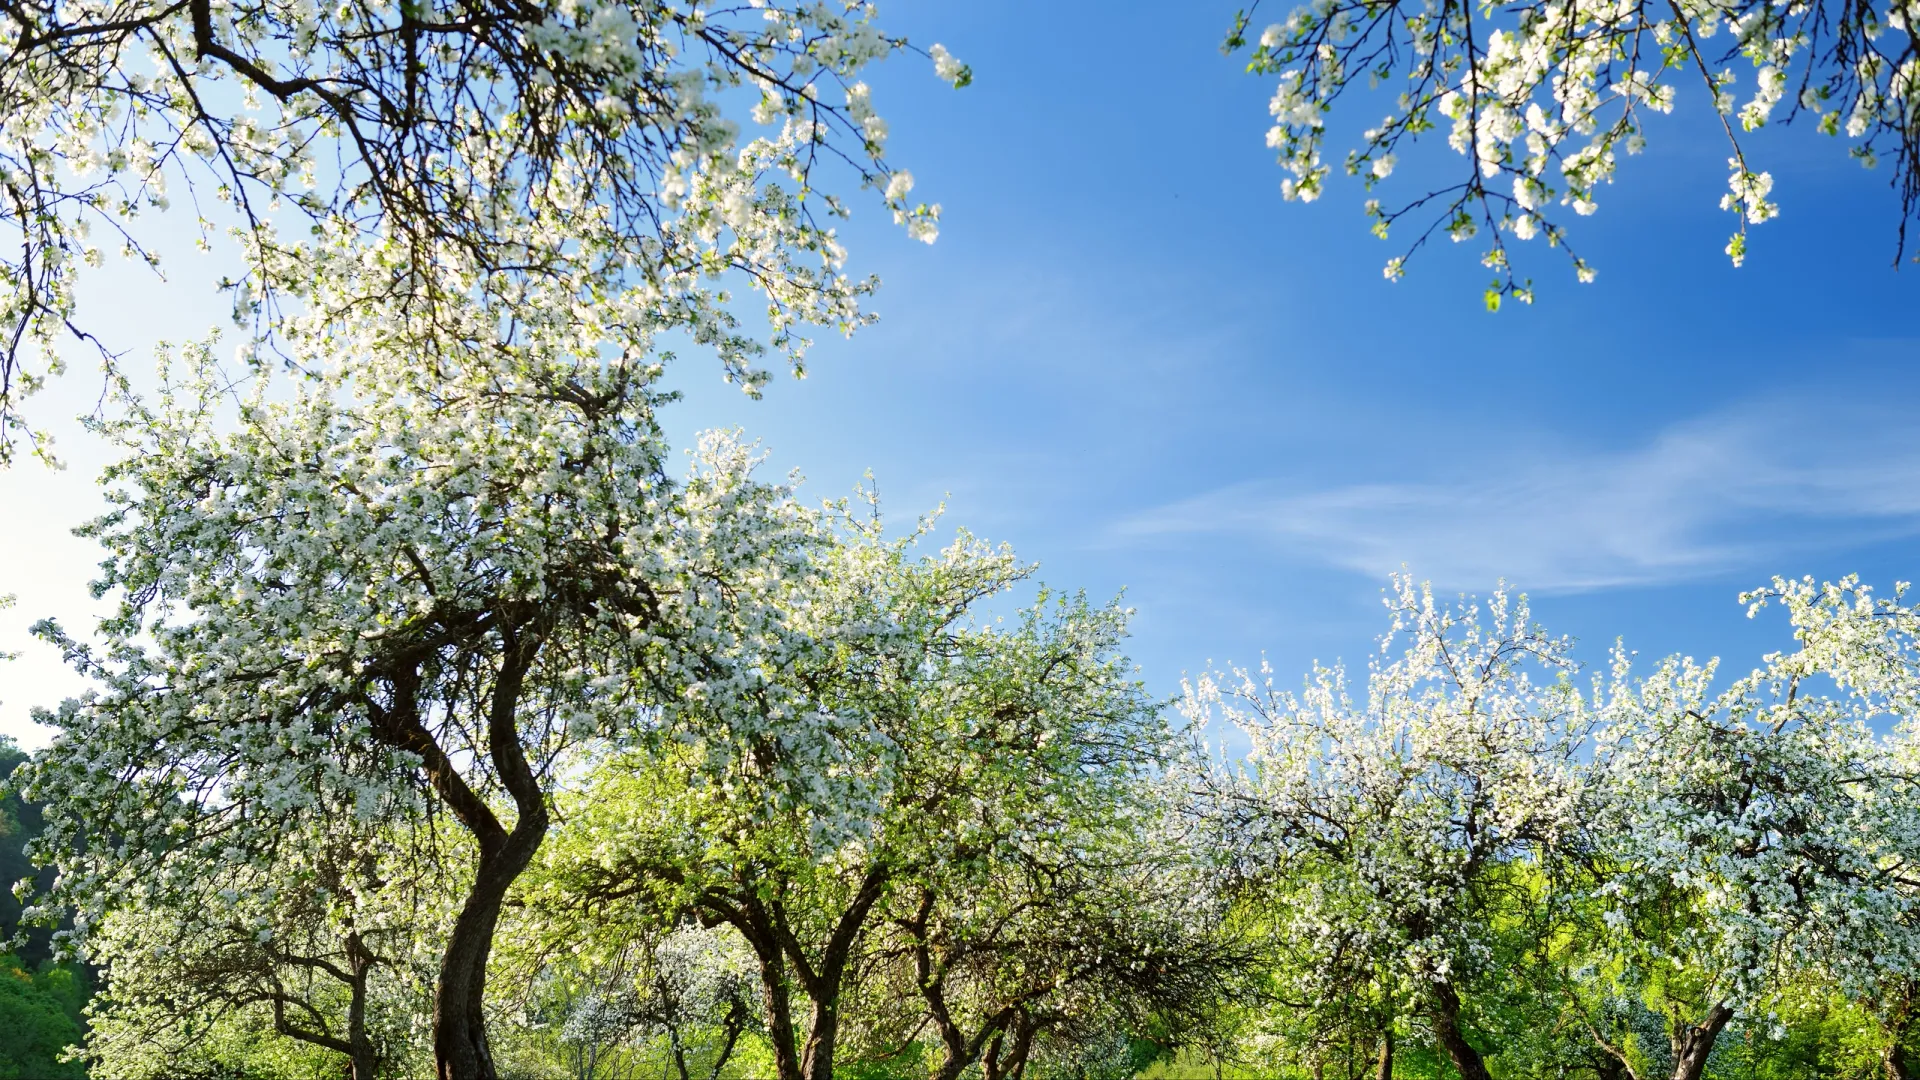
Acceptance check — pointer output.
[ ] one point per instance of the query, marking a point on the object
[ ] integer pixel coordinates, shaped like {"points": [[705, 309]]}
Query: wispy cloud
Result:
{"points": [[1733, 491]]}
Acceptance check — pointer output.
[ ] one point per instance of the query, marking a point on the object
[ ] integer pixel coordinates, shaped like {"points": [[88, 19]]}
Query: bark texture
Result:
{"points": [[1693, 1042], [1445, 1016], [1898, 1066]]}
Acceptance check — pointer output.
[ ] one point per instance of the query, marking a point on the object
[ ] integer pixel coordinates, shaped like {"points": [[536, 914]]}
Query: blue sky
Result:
{"points": [[1127, 356]]}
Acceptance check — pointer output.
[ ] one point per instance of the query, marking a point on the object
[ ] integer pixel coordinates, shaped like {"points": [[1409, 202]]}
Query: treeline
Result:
{"points": [[41, 1000], [995, 856]]}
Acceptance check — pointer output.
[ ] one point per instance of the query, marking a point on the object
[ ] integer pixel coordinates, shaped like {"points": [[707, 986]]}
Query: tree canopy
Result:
{"points": [[1543, 98], [533, 155]]}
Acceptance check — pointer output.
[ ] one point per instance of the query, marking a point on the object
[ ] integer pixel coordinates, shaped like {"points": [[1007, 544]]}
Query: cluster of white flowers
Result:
{"points": [[410, 578], [1383, 821], [1726, 840], [1549, 92], [588, 141]]}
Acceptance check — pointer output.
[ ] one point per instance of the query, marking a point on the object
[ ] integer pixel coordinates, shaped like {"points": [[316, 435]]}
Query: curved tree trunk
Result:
{"points": [[1693, 1042], [736, 1022], [460, 1048], [1384, 1069], [775, 998], [366, 1062], [459, 1025], [1445, 1016]]}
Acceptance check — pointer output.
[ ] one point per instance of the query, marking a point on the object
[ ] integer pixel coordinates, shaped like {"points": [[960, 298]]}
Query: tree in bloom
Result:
{"points": [[956, 744], [398, 586], [1739, 827], [1103, 924], [584, 149], [1542, 98], [1406, 848], [331, 945], [703, 982], [1750, 845], [601, 1003], [1867, 929]]}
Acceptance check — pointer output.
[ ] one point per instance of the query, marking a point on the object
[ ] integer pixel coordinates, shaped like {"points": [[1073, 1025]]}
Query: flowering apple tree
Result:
{"points": [[957, 741], [1866, 936], [1541, 98], [1749, 837], [467, 147], [1105, 923], [332, 945], [1400, 841], [394, 587]]}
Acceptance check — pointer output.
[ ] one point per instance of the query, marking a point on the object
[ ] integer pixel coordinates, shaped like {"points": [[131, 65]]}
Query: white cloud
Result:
{"points": [[1734, 491]]}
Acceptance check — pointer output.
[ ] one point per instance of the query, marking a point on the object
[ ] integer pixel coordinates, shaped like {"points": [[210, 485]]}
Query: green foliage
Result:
{"points": [[39, 1020], [20, 822], [912, 1063], [235, 1046], [41, 1003]]}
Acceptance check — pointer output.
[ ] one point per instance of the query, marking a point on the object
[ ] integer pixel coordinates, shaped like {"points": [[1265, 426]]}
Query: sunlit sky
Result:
{"points": [[1128, 357]]}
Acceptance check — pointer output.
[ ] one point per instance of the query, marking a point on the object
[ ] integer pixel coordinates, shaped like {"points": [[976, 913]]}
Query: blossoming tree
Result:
{"points": [[1105, 923], [391, 586], [1756, 837], [1400, 841], [957, 743], [583, 151], [1743, 829], [332, 945], [1866, 647], [1542, 98]]}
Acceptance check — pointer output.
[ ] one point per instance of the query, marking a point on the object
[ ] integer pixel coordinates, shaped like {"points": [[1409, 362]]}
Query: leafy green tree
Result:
{"points": [[956, 740], [40, 1021], [20, 822]]}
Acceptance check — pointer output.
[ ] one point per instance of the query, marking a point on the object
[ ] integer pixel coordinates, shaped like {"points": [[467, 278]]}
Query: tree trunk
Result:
{"points": [[823, 1032], [460, 1048], [1693, 1042], [823, 986], [735, 1022], [990, 1058], [1385, 1061], [1898, 1067], [958, 1050], [1895, 1023], [365, 1062], [1445, 1016], [779, 1005], [1014, 1066]]}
